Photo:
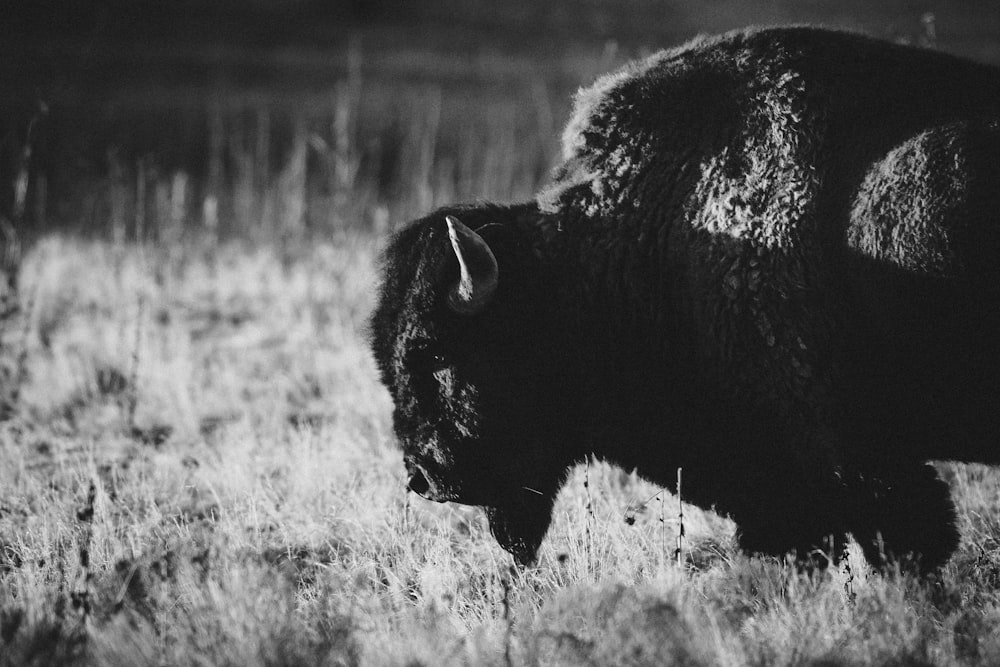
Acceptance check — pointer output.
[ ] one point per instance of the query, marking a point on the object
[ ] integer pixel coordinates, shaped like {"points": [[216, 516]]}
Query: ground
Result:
{"points": [[199, 469]]}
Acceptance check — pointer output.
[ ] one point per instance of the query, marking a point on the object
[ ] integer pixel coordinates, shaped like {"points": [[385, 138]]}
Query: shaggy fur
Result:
{"points": [[768, 257]]}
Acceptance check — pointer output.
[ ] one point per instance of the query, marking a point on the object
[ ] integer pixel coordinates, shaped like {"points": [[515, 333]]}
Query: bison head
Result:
{"points": [[458, 338]]}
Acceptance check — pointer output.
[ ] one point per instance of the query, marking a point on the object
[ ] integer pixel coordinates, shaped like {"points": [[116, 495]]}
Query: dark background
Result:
{"points": [[103, 105], [971, 25]]}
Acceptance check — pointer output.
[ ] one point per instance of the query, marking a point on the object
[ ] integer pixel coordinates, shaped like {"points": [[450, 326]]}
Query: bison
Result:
{"points": [[770, 257]]}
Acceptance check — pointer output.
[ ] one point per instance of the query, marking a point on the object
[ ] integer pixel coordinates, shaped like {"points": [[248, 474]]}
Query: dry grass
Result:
{"points": [[255, 511]]}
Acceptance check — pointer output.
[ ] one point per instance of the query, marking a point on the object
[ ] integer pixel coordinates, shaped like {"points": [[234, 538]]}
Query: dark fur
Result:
{"points": [[769, 258]]}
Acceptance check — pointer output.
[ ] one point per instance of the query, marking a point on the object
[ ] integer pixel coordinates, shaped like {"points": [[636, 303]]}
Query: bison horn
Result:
{"points": [[479, 272]]}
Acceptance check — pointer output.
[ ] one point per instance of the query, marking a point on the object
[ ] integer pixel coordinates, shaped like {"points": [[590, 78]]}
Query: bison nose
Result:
{"points": [[418, 483]]}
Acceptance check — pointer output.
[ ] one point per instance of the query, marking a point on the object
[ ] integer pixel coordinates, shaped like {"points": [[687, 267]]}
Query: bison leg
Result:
{"points": [[781, 505], [805, 543], [907, 518], [795, 520], [519, 527]]}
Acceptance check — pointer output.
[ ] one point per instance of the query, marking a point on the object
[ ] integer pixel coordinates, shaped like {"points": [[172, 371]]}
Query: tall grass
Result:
{"points": [[349, 148], [237, 499]]}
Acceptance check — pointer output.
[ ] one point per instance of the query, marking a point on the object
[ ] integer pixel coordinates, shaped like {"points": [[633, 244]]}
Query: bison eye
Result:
{"points": [[426, 357]]}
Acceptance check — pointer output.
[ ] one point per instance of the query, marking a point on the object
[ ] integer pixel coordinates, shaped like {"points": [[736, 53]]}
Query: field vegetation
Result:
{"points": [[196, 458]]}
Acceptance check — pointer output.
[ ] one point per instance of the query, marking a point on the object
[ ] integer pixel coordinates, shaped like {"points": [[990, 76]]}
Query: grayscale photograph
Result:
{"points": [[524, 333]]}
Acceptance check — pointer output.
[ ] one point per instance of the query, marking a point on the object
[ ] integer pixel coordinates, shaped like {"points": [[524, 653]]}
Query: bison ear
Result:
{"points": [[478, 270]]}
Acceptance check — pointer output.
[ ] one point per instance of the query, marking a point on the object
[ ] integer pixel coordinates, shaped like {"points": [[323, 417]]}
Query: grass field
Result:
{"points": [[196, 458], [199, 469]]}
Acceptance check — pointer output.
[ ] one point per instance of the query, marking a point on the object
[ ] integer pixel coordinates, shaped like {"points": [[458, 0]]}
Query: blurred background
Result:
{"points": [[174, 120]]}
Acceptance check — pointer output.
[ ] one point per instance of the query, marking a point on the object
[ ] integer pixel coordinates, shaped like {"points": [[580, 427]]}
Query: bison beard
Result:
{"points": [[768, 257]]}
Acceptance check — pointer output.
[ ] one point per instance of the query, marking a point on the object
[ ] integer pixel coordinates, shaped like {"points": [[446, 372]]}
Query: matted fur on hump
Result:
{"points": [[597, 110]]}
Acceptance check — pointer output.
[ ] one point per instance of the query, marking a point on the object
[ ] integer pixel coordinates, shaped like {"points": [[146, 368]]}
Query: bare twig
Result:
{"points": [[507, 616], [9, 408], [679, 552], [80, 597], [133, 388], [590, 516]]}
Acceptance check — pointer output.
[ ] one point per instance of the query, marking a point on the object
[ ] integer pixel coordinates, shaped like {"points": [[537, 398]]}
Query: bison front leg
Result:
{"points": [[519, 526]]}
